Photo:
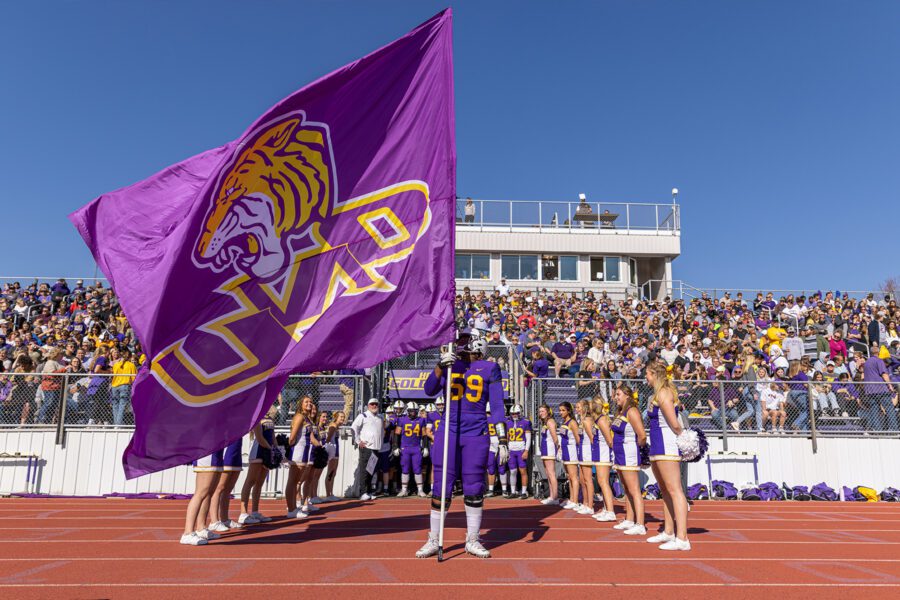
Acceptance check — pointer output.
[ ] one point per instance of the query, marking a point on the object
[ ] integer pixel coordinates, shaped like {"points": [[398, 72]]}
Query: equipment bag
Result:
{"points": [[723, 490], [770, 491], [651, 492], [822, 492], [890, 494], [698, 491]]}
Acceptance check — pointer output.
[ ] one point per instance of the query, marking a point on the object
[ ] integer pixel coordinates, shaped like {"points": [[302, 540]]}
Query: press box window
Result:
{"points": [[473, 266], [559, 268], [519, 266], [605, 268]]}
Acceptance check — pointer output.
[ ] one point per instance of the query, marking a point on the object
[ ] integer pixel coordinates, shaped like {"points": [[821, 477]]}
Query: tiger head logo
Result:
{"points": [[279, 183]]}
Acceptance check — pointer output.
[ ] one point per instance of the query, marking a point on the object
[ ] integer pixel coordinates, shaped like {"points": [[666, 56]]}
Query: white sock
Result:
{"points": [[419, 482], [435, 523], [503, 481], [404, 480], [473, 520]]}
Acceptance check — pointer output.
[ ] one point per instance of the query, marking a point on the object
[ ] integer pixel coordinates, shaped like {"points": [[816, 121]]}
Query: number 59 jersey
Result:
{"points": [[474, 386]]}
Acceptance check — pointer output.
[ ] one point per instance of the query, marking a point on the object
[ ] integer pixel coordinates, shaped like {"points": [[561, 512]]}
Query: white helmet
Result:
{"points": [[516, 409], [430, 408], [438, 403], [398, 405], [412, 406]]}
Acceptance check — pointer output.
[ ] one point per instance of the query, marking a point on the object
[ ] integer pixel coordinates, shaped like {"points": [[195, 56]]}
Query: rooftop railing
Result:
{"points": [[574, 217]]}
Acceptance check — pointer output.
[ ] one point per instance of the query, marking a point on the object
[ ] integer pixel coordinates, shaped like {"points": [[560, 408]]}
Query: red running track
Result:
{"points": [[111, 548]]}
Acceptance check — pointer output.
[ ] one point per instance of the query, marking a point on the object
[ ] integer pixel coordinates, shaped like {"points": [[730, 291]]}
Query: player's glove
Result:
{"points": [[447, 359], [396, 452], [425, 452], [503, 454]]}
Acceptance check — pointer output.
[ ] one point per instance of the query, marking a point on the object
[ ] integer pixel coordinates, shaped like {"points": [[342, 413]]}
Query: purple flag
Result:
{"points": [[321, 239]]}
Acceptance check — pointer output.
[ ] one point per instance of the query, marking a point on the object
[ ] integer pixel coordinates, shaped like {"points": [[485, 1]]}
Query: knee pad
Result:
{"points": [[436, 503], [474, 501]]}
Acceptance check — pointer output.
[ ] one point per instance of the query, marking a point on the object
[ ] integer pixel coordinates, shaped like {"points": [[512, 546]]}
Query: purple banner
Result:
{"points": [[320, 239]]}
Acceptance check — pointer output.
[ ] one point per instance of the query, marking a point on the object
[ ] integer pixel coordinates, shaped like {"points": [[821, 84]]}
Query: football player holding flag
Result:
{"points": [[474, 384]]}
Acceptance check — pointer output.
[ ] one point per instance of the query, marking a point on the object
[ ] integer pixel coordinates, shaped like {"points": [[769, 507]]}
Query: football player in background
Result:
{"points": [[494, 466], [408, 446], [518, 429]]}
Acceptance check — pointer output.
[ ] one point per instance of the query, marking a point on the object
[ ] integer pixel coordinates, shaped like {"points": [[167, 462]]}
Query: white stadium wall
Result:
{"points": [[90, 464]]}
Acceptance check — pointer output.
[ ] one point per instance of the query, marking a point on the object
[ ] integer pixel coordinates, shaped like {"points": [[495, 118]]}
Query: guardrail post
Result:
{"points": [[61, 423], [812, 417], [722, 411]]}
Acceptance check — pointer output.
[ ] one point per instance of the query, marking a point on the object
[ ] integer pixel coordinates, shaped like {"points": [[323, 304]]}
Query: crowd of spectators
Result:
{"points": [[56, 334], [773, 356], [73, 343], [770, 354]]}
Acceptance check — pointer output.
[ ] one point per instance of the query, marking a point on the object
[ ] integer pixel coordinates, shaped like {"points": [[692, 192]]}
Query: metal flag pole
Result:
{"points": [[447, 400]]}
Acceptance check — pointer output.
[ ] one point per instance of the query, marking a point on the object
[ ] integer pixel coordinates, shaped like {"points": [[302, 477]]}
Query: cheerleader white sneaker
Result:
{"points": [[661, 538], [584, 510], [623, 525], [676, 544], [218, 527], [636, 530], [474, 547], [232, 524], [429, 549], [206, 534], [192, 539], [548, 501], [605, 516], [247, 519], [569, 505]]}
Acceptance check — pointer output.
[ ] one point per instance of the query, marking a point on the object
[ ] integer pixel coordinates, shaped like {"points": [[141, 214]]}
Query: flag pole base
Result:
{"points": [[440, 554]]}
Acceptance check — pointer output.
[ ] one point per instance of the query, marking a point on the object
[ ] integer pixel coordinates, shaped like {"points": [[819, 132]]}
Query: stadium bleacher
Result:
{"points": [[61, 341]]}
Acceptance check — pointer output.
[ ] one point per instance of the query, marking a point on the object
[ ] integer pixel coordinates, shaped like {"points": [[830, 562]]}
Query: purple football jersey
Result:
{"points": [[411, 431], [474, 386]]}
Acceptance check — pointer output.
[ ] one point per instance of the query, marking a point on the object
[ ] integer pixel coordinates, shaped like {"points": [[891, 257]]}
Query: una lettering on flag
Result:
{"points": [[320, 239]]}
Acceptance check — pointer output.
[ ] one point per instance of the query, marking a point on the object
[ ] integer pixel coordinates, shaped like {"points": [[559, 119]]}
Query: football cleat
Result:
{"points": [[403, 493], [474, 547], [429, 549]]}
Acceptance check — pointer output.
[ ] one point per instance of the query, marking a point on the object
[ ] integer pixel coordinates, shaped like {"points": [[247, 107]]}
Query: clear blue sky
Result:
{"points": [[778, 121]]}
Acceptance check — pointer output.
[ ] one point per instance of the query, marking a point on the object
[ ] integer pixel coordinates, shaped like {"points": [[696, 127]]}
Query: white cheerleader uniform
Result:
{"points": [[661, 436], [568, 445], [548, 448]]}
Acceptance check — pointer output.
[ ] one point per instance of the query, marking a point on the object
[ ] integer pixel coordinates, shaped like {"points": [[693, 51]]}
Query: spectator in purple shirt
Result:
{"points": [[562, 352], [876, 409]]}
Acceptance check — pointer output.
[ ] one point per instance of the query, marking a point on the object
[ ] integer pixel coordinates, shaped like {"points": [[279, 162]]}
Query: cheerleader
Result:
{"points": [[665, 459], [304, 488], [207, 469], [569, 443], [297, 455], [589, 454], [628, 437], [604, 441], [333, 447], [549, 444], [232, 464], [320, 458], [263, 439]]}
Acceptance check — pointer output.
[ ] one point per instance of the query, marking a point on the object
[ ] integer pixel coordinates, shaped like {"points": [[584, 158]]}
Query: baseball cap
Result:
{"points": [[830, 363], [372, 401]]}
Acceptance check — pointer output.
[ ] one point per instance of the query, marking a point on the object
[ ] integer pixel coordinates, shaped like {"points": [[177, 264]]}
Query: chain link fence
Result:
{"points": [[105, 400], [724, 407]]}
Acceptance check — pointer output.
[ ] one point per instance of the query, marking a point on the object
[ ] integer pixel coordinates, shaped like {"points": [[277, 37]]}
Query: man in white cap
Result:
{"points": [[368, 429]]}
